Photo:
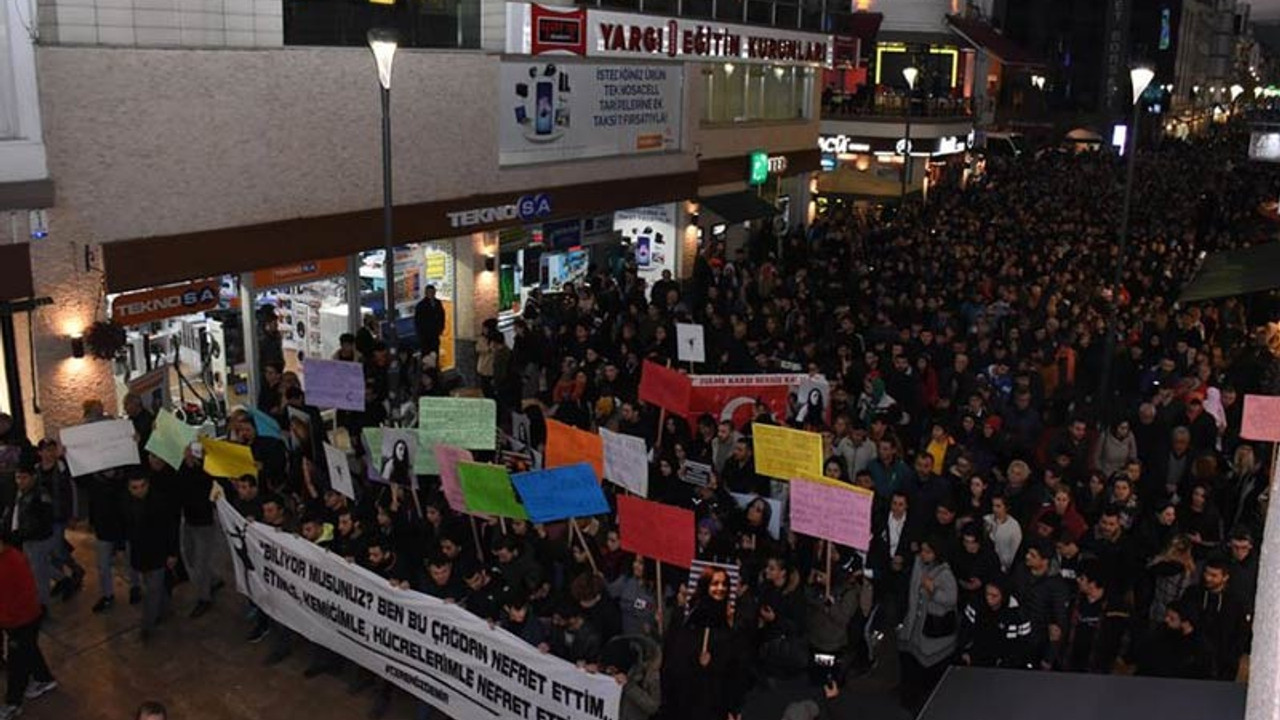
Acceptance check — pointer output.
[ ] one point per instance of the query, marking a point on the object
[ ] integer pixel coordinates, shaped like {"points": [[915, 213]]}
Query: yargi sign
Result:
{"points": [[534, 30], [136, 308]]}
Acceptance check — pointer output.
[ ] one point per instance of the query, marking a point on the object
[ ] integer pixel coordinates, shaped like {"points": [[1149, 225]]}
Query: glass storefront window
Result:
{"points": [[420, 23], [734, 93]]}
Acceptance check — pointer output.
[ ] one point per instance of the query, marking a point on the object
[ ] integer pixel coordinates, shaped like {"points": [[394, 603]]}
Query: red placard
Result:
{"points": [[654, 530], [558, 31], [668, 389]]}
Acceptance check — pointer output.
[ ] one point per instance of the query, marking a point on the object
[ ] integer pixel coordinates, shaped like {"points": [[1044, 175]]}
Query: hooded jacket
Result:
{"points": [[995, 638]]}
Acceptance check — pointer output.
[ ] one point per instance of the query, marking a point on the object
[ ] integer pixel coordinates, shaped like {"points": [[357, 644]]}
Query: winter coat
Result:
{"points": [[995, 638], [642, 695], [636, 601], [690, 690], [1111, 454], [911, 639], [34, 509]]}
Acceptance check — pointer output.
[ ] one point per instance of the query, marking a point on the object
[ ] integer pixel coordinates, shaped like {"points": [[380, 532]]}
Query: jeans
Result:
{"points": [[155, 598], [26, 662], [198, 545], [61, 558], [40, 555], [106, 552]]}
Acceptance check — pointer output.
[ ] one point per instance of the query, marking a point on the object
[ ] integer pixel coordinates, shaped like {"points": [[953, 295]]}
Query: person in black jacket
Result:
{"points": [[1045, 597], [151, 526], [704, 674], [106, 514], [1177, 649], [993, 632], [30, 519], [200, 536], [1222, 618], [428, 321]]}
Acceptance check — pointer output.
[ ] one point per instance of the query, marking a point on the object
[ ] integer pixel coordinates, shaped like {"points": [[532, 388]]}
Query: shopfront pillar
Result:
{"points": [[249, 325]]}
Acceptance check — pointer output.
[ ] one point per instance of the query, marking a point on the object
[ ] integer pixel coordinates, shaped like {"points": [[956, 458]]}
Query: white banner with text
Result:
{"points": [[438, 652]]}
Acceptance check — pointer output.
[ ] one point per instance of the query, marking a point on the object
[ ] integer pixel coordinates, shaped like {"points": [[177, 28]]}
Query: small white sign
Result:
{"points": [[97, 446], [339, 471], [625, 461], [690, 343]]}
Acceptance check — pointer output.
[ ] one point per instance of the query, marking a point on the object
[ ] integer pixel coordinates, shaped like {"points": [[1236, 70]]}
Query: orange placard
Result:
{"points": [[299, 273], [136, 308], [567, 445]]}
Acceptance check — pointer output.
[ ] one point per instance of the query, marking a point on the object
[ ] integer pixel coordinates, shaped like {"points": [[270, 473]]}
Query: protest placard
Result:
{"points": [[774, 525], [397, 452], [567, 445], [487, 489], [559, 493], [1261, 418], [101, 445], [447, 459], [470, 423], [841, 514], [784, 453], [265, 424], [654, 530], [334, 384], [690, 343], [626, 461], [521, 430], [170, 438], [698, 568], [665, 388], [224, 459], [339, 471], [695, 473]]}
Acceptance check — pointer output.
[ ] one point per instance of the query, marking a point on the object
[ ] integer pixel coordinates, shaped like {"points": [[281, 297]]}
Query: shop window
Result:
{"points": [[737, 92], [420, 23]]}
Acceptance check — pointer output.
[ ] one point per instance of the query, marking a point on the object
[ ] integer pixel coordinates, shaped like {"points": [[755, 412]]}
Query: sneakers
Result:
{"points": [[200, 609], [36, 689], [105, 603], [259, 633], [135, 595], [8, 712]]}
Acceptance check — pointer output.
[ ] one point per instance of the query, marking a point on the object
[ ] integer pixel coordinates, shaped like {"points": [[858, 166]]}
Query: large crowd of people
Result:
{"points": [[1023, 519]]}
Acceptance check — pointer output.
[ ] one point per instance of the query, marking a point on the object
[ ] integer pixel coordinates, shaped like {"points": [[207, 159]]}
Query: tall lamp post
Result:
{"points": [[1140, 78], [910, 74], [383, 42]]}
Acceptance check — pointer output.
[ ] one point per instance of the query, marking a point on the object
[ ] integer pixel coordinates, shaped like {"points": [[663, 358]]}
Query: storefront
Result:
{"points": [[762, 193], [17, 301], [872, 167]]}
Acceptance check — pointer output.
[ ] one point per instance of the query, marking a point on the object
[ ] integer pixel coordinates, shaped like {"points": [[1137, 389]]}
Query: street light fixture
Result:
{"points": [[1139, 77], [383, 43], [910, 74], [1037, 81]]}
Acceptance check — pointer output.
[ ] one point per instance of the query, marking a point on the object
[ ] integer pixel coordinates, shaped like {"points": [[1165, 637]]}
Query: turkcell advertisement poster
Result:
{"points": [[551, 111]]}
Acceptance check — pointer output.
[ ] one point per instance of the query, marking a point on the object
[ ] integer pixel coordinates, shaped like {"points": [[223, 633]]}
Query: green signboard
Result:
{"points": [[759, 168]]}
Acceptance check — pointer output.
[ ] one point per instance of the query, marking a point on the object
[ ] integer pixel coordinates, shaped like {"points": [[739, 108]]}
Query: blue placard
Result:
{"points": [[559, 493]]}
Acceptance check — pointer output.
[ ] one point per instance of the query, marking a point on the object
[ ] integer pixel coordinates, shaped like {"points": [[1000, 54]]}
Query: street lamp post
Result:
{"points": [[383, 43], [910, 74], [1140, 78]]}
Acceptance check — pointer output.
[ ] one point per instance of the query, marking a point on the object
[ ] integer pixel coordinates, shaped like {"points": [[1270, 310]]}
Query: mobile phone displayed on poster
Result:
{"points": [[544, 116]]}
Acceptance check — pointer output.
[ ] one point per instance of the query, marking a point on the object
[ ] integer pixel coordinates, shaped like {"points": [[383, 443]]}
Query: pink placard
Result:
{"points": [[1261, 419], [447, 458], [830, 512]]}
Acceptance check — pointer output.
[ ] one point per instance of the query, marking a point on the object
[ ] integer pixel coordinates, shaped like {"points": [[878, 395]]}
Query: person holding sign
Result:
{"points": [[704, 658]]}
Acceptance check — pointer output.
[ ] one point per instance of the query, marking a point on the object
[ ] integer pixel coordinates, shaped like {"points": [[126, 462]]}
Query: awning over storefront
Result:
{"points": [[980, 34], [738, 207], [1235, 272]]}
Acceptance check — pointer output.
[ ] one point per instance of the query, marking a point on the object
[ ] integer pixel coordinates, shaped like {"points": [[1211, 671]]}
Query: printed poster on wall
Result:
{"points": [[552, 111]]}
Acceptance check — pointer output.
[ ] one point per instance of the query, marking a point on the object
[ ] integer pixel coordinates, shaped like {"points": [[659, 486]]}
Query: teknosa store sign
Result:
{"points": [[536, 30]]}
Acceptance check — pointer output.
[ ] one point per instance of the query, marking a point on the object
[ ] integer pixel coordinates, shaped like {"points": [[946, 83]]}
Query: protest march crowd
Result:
{"points": [[950, 359]]}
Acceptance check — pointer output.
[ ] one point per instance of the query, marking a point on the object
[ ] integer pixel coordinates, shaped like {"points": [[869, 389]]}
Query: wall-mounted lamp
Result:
{"points": [[77, 346], [490, 262]]}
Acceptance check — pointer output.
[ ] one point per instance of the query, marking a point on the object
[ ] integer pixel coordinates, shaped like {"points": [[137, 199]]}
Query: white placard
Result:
{"points": [[626, 461], [97, 446], [690, 343], [339, 471], [435, 651], [554, 111], [521, 431]]}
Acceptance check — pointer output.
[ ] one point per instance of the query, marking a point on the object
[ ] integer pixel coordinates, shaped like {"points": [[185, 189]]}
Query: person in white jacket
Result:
{"points": [[1005, 532]]}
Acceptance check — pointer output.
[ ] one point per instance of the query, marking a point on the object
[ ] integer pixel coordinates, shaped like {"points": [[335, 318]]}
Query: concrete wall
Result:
{"points": [[163, 23], [149, 142], [912, 15]]}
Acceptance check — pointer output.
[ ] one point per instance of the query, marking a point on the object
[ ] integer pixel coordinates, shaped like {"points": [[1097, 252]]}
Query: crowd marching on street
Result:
{"points": [[1021, 519]]}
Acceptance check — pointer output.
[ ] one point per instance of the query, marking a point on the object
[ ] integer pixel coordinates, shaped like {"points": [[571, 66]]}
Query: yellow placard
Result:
{"points": [[227, 459], [784, 453], [446, 337]]}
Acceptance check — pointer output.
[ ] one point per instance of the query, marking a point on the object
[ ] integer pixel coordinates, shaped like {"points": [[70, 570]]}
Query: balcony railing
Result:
{"points": [[852, 107]]}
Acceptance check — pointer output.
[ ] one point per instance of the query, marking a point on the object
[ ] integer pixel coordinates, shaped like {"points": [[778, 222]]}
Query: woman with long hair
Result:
{"points": [[1172, 572], [398, 469], [704, 670], [927, 635]]}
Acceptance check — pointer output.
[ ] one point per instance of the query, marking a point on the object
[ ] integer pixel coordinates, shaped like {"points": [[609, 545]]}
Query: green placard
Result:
{"points": [[470, 423], [487, 490], [759, 168], [170, 438]]}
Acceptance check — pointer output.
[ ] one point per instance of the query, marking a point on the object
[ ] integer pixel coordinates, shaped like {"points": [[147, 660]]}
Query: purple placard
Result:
{"points": [[334, 384]]}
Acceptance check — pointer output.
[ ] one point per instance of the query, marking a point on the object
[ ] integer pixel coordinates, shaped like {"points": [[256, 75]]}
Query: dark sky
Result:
{"points": [[1266, 10]]}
